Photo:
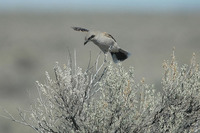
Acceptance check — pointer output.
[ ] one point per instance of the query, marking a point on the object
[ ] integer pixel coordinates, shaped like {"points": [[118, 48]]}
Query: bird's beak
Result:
{"points": [[85, 42]]}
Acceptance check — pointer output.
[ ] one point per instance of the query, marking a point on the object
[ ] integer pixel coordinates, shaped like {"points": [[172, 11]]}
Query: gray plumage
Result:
{"points": [[105, 42]]}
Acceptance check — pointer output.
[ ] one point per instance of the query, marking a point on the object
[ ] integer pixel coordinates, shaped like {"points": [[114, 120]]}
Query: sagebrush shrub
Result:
{"points": [[107, 99]]}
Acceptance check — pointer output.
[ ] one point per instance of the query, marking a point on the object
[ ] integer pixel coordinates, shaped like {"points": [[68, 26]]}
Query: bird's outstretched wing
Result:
{"points": [[109, 36], [80, 29]]}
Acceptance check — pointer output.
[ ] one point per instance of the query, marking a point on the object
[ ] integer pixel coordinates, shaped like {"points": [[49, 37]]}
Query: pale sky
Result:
{"points": [[101, 5]]}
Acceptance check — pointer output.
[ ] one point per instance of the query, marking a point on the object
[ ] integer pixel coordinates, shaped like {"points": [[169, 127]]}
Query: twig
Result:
{"points": [[74, 61], [97, 60], [89, 61], [23, 122]]}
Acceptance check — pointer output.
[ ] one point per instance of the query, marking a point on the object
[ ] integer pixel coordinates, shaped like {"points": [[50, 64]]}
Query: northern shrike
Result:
{"points": [[105, 42]]}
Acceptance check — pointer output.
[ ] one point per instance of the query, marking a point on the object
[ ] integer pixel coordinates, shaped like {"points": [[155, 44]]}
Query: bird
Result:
{"points": [[105, 42]]}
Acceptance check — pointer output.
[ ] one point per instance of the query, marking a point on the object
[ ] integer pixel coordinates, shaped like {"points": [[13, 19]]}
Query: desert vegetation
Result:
{"points": [[106, 98]]}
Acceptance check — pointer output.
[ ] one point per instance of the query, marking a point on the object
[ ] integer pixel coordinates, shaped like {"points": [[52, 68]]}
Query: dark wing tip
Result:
{"points": [[110, 36], [80, 29]]}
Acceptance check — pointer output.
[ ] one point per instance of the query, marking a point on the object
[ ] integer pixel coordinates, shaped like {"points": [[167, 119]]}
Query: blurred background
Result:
{"points": [[35, 34]]}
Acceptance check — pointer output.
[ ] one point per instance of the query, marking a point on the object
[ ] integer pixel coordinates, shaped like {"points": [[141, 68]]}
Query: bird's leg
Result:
{"points": [[105, 57], [106, 53], [109, 49]]}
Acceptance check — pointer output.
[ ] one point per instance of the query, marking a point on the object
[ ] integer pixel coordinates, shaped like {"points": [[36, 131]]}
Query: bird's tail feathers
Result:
{"points": [[121, 55]]}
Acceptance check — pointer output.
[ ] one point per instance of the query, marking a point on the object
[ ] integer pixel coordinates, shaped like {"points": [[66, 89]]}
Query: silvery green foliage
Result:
{"points": [[78, 101], [122, 105], [107, 99], [180, 107]]}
